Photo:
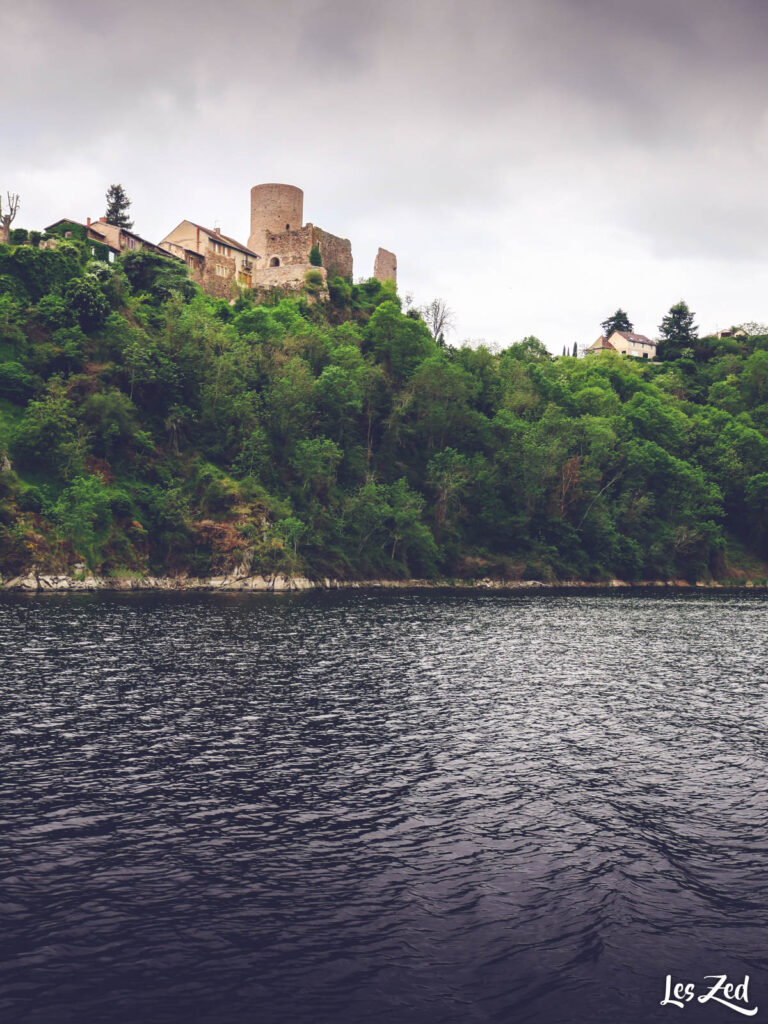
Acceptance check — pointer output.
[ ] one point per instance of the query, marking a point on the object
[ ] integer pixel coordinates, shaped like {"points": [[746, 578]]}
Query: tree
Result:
{"points": [[438, 317], [86, 303], [575, 349], [677, 331], [315, 257], [619, 321], [7, 217], [117, 207]]}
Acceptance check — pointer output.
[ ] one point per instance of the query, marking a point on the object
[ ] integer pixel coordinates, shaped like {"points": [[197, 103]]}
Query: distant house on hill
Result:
{"points": [[218, 263], [733, 332], [627, 343], [119, 239]]}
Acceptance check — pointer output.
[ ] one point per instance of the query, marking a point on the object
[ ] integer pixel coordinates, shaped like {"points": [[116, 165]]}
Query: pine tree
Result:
{"points": [[117, 207], [678, 325], [677, 331], [619, 321]]}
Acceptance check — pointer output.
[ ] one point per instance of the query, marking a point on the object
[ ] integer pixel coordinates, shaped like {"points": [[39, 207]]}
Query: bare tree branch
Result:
{"points": [[7, 217], [439, 318]]}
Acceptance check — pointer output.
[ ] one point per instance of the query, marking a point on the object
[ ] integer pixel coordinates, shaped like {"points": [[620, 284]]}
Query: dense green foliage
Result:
{"points": [[145, 426]]}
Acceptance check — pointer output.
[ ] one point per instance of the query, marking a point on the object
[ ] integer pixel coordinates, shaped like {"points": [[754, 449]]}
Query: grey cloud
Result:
{"points": [[452, 125]]}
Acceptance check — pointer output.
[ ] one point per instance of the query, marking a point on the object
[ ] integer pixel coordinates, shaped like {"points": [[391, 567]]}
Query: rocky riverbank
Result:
{"points": [[279, 582]]}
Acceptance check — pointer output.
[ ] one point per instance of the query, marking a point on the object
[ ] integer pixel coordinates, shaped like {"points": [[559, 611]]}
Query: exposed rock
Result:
{"points": [[282, 583]]}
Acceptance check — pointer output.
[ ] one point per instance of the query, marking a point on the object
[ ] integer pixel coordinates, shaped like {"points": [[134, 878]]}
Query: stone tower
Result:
{"points": [[385, 267], [274, 208]]}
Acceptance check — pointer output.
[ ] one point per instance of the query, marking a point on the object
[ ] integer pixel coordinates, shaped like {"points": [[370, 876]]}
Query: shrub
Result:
{"points": [[19, 236], [313, 281], [86, 302], [53, 313], [315, 257], [120, 504], [31, 500], [15, 382]]}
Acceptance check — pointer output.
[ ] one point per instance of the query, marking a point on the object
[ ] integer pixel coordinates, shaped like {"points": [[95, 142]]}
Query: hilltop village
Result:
{"points": [[281, 251], [242, 433]]}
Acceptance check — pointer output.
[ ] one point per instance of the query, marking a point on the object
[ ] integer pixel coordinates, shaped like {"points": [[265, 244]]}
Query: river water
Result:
{"points": [[381, 807]]}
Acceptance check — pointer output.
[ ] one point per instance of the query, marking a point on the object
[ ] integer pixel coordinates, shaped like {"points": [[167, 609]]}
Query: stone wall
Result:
{"points": [[385, 266], [290, 277], [274, 208], [289, 247], [336, 252], [221, 286]]}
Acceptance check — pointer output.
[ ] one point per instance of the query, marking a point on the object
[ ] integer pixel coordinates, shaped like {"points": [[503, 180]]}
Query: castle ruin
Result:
{"points": [[278, 252]]}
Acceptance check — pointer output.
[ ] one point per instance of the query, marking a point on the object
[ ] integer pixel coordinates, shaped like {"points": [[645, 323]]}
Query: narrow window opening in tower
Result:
{"points": [[274, 262], [287, 227]]}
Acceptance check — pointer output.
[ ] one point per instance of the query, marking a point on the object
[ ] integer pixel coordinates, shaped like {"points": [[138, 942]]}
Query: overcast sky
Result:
{"points": [[536, 163]]}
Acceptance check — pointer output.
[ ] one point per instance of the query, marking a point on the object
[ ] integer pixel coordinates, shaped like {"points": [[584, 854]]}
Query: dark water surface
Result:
{"points": [[381, 807]]}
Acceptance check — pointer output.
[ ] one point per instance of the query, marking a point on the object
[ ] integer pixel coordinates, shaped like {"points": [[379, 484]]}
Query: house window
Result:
{"points": [[220, 249], [245, 279], [274, 262], [221, 271]]}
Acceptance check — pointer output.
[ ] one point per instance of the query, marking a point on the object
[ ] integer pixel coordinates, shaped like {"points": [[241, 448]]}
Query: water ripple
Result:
{"points": [[364, 807]]}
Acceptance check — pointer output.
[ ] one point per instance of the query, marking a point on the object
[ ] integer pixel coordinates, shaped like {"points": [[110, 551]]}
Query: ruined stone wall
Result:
{"points": [[385, 266], [290, 278], [289, 247], [336, 252]]}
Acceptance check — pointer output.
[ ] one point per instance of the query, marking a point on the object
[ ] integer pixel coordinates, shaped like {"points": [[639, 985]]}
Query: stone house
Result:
{"points": [[219, 264], [118, 239], [107, 240], [627, 343]]}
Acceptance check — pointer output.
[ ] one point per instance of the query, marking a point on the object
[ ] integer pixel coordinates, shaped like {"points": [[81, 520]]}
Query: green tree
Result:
{"points": [[83, 511], [86, 303], [447, 475], [315, 257], [398, 341], [618, 321], [677, 331], [315, 462], [117, 207]]}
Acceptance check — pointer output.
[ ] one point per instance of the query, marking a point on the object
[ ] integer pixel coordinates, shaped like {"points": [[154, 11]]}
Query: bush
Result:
{"points": [[86, 302], [313, 281], [31, 500], [315, 257], [35, 237], [15, 382], [19, 236], [120, 505], [53, 313]]}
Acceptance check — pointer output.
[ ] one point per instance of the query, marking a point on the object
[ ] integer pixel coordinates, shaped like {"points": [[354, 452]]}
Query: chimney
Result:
{"points": [[87, 222], [102, 220]]}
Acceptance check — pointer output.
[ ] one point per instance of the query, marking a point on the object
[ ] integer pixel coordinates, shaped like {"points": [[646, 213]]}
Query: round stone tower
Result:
{"points": [[274, 208]]}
